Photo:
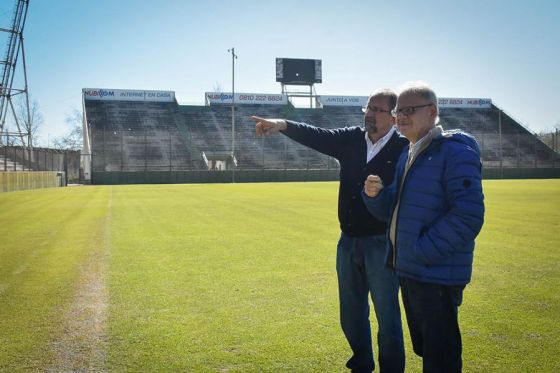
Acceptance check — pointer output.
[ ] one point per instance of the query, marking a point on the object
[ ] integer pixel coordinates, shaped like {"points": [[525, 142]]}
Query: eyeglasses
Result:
{"points": [[409, 110], [374, 109]]}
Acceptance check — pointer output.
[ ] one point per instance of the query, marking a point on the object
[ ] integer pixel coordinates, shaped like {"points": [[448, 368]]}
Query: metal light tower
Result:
{"points": [[9, 64], [233, 58]]}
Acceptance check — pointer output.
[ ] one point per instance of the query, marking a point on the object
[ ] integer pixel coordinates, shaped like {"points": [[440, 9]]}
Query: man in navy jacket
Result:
{"points": [[373, 149], [435, 209]]}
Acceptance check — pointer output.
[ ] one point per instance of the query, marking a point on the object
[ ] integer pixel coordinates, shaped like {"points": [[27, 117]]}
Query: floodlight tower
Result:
{"points": [[233, 58], [8, 66]]}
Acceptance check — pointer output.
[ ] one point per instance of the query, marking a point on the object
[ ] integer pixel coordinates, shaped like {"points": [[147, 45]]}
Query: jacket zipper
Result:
{"points": [[396, 226], [399, 201]]}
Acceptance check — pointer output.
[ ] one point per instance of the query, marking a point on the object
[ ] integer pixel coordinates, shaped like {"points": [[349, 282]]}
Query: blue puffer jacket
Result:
{"points": [[440, 213]]}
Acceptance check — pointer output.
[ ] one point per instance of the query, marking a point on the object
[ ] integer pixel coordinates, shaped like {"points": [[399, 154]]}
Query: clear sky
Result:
{"points": [[508, 51]]}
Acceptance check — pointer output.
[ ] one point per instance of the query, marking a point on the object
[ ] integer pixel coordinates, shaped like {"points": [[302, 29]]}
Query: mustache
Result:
{"points": [[370, 125]]}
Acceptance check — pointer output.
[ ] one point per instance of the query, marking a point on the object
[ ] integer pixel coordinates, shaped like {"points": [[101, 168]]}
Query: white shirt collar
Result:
{"points": [[383, 139], [374, 149]]}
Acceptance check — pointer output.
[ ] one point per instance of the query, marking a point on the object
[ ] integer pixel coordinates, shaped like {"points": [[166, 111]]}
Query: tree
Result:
{"points": [[217, 87], [550, 137], [73, 140], [25, 127], [29, 123]]}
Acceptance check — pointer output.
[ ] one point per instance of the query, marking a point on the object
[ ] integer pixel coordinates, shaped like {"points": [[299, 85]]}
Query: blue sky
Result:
{"points": [[505, 50]]}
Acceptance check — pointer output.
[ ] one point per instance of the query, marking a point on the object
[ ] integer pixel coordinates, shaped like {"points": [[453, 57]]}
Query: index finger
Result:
{"points": [[257, 119]]}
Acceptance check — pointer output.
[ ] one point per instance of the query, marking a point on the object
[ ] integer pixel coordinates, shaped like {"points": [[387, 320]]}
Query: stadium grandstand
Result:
{"points": [[146, 136]]}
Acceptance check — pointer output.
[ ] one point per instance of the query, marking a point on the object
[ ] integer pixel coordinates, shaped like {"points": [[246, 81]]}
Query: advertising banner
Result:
{"points": [[213, 98], [473, 103], [443, 102], [343, 100], [102, 94]]}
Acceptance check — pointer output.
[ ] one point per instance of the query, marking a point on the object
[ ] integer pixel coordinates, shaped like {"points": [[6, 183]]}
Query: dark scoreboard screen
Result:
{"points": [[298, 71]]}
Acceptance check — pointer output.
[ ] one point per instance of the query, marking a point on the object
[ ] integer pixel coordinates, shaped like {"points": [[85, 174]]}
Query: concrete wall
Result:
{"points": [[255, 176], [521, 173], [241, 176]]}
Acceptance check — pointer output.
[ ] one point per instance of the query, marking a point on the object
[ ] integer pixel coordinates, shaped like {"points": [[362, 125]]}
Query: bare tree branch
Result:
{"points": [[73, 140], [31, 123]]}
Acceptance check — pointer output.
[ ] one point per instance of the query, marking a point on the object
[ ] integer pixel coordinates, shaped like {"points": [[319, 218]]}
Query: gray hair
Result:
{"points": [[422, 89], [390, 95]]}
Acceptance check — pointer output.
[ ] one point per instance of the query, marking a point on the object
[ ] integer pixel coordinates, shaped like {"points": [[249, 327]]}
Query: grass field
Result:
{"points": [[242, 278]]}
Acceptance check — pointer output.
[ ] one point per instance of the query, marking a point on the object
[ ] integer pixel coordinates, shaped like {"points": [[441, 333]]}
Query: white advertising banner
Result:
{"points": [[343, 100], [246, 98], [473, 103], [444, 102], [102, 94]]}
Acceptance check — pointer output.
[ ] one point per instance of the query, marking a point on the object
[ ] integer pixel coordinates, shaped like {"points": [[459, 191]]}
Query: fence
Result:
{"points": [[13, 181], [164, 150], [19, 158], [516, 151]]}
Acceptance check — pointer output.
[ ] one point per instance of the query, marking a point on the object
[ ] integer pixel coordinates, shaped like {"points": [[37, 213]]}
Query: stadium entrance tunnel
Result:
{"points": [[219, 161]]}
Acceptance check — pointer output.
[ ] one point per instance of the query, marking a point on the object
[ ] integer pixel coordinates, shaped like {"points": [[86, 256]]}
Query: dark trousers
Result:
{"points": [[431, 314]]}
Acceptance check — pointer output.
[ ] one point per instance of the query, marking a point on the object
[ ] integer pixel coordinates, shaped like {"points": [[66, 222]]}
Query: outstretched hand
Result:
{"points": [[265, 127]]}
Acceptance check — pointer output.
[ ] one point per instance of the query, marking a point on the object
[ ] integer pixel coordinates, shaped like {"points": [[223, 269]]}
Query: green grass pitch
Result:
{"points": [[241, 278]]}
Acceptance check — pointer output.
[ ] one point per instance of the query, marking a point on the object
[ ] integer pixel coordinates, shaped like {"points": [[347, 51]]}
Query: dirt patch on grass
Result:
{"points": [[82, 345]]}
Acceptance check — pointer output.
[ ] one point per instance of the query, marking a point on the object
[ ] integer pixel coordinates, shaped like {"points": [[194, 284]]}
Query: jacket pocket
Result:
{"points": [[418, 253]]}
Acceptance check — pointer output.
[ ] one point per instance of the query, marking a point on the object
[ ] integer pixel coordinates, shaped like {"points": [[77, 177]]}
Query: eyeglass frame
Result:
{"points": [[375, 109], [395, 113]]}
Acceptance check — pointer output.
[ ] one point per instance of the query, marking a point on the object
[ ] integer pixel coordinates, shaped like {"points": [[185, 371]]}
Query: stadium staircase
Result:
{"points": [[7, 164]]}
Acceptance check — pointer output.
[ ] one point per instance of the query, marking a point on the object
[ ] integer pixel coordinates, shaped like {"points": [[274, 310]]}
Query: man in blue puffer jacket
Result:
{"points": [[435, 209]]}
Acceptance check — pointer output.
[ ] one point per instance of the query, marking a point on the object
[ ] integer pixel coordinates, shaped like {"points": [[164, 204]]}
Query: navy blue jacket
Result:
{"points": [[441, 211], [348, 146]]}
